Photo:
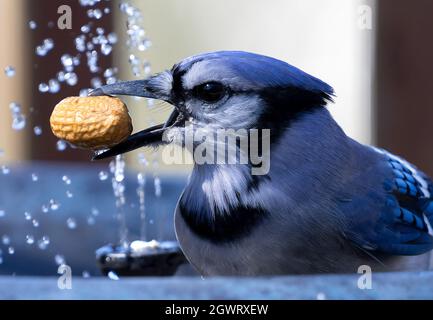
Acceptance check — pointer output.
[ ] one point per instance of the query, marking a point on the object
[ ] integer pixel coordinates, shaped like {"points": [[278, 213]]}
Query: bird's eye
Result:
{"points": [[210, 91]]}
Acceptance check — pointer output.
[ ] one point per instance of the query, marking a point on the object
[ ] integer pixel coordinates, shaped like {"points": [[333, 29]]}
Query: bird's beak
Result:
{"points": [[138, 88], [153, 135]]}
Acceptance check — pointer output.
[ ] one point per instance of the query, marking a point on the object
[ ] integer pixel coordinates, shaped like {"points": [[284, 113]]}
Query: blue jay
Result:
{"points": [[328, 203]]}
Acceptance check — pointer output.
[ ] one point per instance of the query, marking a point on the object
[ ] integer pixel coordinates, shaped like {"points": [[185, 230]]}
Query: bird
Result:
{"points": [[328, 204]]}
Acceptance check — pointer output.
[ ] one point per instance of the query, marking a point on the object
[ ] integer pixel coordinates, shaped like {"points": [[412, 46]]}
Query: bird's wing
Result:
{"points": [[403, 225]]}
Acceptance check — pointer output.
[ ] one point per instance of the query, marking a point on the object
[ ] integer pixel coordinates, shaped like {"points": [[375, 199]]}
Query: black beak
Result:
{"points": [[153, 135], [138, 88]]}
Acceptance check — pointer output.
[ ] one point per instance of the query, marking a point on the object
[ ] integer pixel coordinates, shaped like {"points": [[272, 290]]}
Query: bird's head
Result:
{"points": [[224, 90]]}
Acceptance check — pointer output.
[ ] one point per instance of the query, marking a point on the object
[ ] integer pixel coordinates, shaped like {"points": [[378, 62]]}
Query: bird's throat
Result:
{"points": [[214, 203]]}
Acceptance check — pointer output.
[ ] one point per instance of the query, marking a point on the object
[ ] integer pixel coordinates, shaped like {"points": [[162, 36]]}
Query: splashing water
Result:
{"points": [[112, 275], [66, 180], [91, 220], [103, 175], [43, 243], [46, 46], [37, 130], [27, 215], [117, 168], [61, 145], [9, 71], [141, 180], [33, 25], [6, 240], [90, 44], [18, 118], [321, 296], [71, 223], [59, 259], [45, 208], [30, 239], [54, 205], [5, 169], [137, 40]]}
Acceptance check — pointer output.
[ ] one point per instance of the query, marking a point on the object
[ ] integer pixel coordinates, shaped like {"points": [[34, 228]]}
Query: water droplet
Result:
{"points": [[133, 59], [71, 223], [66, 60], [35, 223], [45, 208], [142, 159], [85, 28], [146, 68], [91, 220], [80, 43], [107, 10], [96, 82], [86, 274], [15, 107], [43, 242], [76, 61], [95, 212], [61, 76], [71, 78], [11, 250], [108, 73], [112, 38], [37, 130], [48, 44], [103, 175], [18, 121], [2, 213], [106, 49], [97, 14], [54, 86], [6, 240], [321, 296], [27, 215], [90, 46], [66, 180], [35, 177], [5, 169], [61, 145], [111, 80], [84, 92], [10, 71], [54, 205], [40, 51], [43, 87], [69, 194], [92, 60], [32, 25], [157, 184], [59, 259], [112, 275], [30, 239]]}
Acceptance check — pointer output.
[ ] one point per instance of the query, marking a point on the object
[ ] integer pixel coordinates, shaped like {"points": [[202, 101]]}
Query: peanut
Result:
{"points": [[91, 122]]}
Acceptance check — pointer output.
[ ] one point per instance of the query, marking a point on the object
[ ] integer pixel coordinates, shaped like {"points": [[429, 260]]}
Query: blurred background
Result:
{"points": [[57, 206]]}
